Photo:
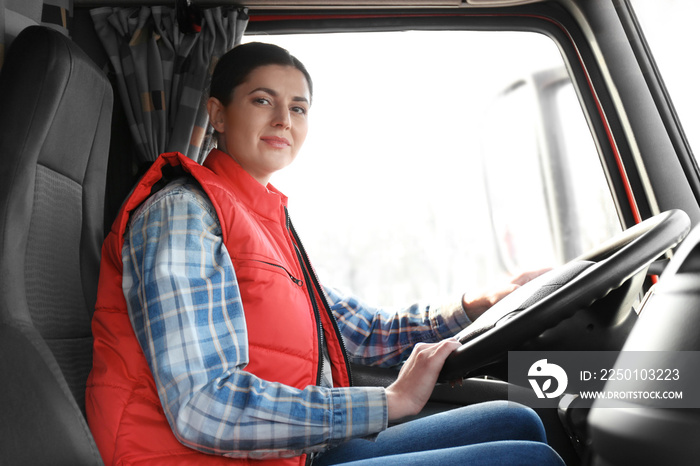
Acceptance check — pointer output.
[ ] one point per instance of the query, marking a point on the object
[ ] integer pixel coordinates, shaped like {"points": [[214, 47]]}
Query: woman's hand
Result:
{"points": [[417, 378], [474, 306]]}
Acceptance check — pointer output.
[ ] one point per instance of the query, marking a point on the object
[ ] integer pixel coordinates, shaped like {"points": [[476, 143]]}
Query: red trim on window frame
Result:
{"points": [[608, 131]]}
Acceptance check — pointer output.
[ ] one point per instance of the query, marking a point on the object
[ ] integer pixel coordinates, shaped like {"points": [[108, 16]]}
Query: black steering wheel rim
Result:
{"points": [[602, 270]]}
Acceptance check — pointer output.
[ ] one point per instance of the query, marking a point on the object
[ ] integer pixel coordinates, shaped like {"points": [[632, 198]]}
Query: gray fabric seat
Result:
{"points": [[55, 116]]}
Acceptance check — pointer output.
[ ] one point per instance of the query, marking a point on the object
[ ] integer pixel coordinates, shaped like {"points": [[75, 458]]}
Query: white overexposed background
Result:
{"points": [[387, 193], [671, 30]]}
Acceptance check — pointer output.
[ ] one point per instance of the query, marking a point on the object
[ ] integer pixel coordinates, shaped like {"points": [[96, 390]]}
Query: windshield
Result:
{"points": [[670, 28]]}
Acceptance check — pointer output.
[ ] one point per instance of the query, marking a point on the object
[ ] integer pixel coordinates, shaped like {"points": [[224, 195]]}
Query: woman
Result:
{"points": [[237, 354]]}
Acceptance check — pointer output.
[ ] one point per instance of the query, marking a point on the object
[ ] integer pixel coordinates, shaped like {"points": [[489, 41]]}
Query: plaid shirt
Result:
{"points": [[186, 310]]}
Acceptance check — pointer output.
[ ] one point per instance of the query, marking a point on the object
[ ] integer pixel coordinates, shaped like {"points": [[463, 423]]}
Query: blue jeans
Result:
{"points": [[493, 433]]}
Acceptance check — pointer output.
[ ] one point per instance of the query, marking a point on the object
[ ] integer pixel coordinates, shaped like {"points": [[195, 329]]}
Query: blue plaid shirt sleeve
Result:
{"points": [[385, 337], [185, 308]]}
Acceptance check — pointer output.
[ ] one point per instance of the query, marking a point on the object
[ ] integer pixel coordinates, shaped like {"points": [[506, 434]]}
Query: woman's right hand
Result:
{"points": [[417, 378]]}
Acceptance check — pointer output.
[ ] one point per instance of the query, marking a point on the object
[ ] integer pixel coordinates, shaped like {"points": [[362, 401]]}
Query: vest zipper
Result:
{"points": [[291, 277], [317, 315], [310, 275]]}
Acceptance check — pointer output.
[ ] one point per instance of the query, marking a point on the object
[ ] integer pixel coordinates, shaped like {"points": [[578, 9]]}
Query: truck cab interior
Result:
{"points": [[610, 200]]}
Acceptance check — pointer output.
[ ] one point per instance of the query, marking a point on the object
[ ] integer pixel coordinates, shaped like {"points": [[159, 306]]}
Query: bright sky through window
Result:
{"points": [[387, 192]]}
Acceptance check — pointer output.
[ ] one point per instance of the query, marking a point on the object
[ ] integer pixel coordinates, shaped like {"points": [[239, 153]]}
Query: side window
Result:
{"points": [[548, 198], [438, 162]]}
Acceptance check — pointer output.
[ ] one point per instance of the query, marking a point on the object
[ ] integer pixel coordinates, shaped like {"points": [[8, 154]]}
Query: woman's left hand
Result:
{"points": [[474, 306]]}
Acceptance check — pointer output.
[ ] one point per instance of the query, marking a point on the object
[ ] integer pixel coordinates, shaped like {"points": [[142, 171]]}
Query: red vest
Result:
{"points": [[282, 300]]}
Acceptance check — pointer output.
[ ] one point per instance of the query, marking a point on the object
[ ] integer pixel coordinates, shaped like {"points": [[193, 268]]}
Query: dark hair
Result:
{"points": [[235, 65]]}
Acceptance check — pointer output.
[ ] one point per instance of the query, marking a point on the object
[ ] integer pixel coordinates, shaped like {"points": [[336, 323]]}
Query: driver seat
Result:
{"points": [[55, 117]]}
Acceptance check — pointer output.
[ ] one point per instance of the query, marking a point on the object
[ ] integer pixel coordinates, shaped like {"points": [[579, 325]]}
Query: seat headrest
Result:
{"points": [[58, 118]]}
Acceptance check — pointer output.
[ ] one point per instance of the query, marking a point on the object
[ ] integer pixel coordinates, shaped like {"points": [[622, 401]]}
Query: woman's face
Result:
{"points": [[265, 123]]}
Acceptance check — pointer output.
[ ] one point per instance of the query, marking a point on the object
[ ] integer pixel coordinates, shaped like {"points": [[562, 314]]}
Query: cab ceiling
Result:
{"points": [[312, 4]]}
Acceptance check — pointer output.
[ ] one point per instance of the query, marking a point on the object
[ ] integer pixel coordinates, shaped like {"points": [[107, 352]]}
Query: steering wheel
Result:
{"points": [[556, 295]]}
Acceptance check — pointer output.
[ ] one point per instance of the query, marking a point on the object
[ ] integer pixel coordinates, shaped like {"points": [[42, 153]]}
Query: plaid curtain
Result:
{"points": [[58, 14], [163, 73]]}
